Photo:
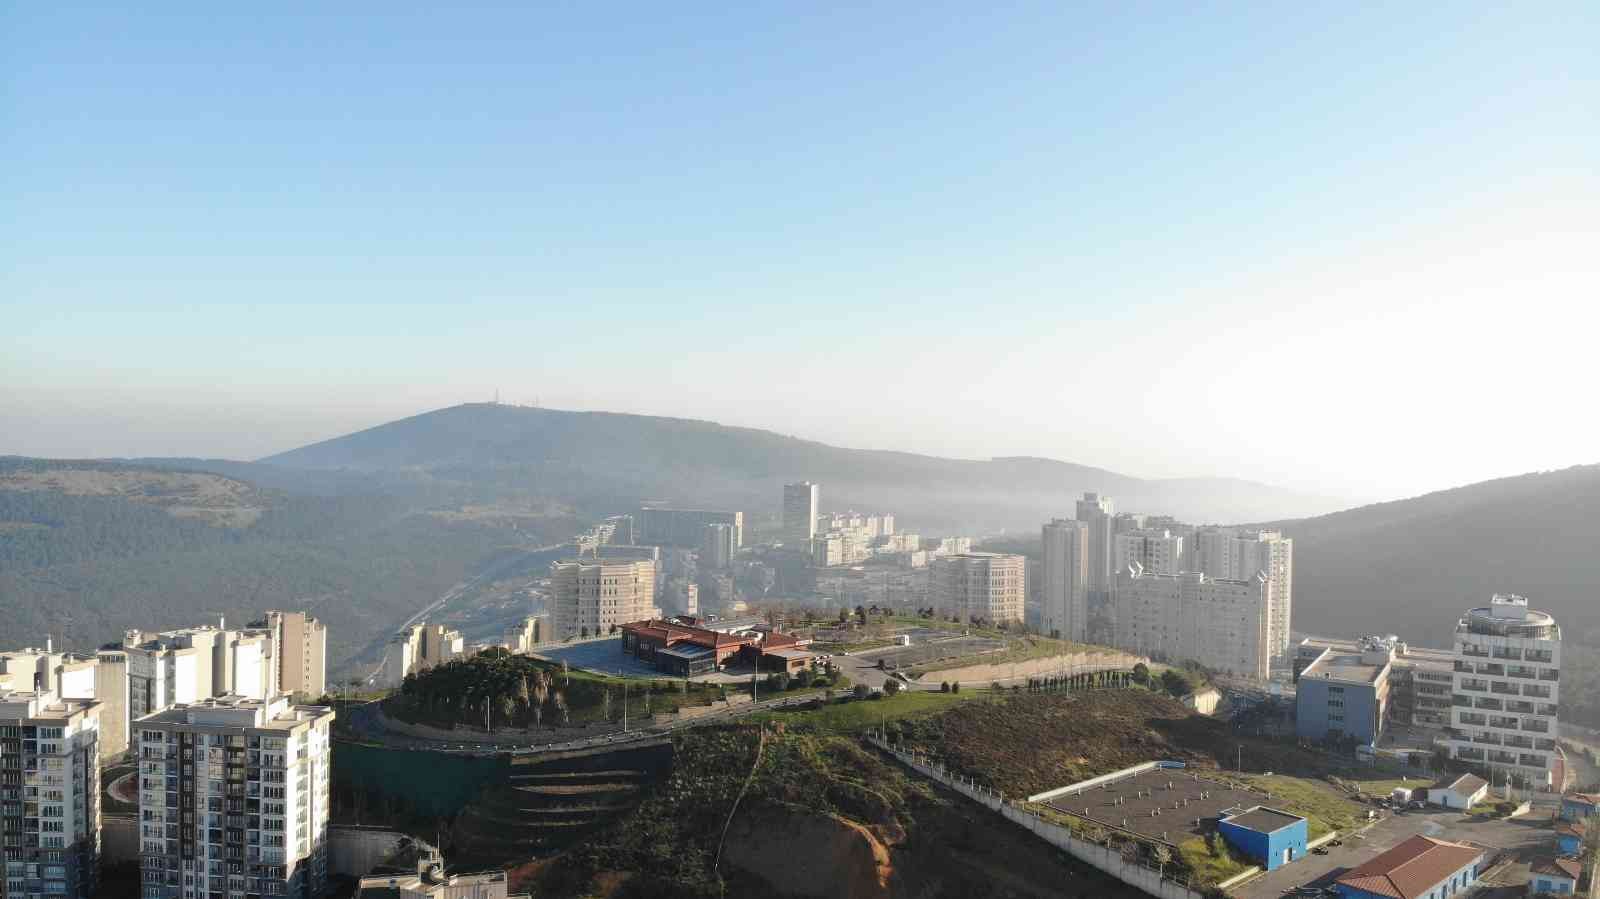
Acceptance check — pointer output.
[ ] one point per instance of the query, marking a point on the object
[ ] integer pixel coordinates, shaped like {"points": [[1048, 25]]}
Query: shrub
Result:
{"points": [[892, 686], [862, 691], [955, 686], [944, 686]]}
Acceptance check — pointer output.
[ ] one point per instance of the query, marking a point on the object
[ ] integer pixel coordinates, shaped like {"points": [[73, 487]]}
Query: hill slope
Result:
{"points": [[91, 548], [609, 460], [1411, 567]]}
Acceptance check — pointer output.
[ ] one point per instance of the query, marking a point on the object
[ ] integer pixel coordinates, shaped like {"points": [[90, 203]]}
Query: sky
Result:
{"points": [[1351, 250]]}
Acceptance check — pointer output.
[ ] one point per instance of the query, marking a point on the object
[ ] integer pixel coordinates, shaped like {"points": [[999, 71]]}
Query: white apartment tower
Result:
{"points": [[1235, 554], [1157, 550], [49, 795], [234, 799], [1506, 689], [1064, 593], [590, 596], [989, 586], [800, 513], [1095, 511], [1220, 623], [419, 648]]}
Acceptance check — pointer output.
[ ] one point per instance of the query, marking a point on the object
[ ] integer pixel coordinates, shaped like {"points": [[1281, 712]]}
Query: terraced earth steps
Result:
{"points": [[545, 803]]}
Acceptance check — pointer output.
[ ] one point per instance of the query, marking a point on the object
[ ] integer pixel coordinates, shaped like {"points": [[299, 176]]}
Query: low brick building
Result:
{"points": [[687, 650]]}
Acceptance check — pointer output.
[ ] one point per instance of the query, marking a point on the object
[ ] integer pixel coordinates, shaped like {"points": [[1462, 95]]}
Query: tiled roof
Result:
{"points": [[1572, 828], [1560, 867], [1411, 868], [1466, 784]]}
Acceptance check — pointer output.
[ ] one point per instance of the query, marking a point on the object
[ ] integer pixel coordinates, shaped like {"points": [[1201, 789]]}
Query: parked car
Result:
{"points": [[1417, 804]]}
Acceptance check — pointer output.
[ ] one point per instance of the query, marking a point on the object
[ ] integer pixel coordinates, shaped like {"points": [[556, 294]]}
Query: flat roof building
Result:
{"points": [[49, 794], [1507, 690], [1270, 837], [1344, 695], [234, 798]]}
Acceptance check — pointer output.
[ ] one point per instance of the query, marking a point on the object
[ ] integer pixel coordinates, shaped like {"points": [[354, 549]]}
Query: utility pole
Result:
{"points": [[624, 706], [1238, 764]]}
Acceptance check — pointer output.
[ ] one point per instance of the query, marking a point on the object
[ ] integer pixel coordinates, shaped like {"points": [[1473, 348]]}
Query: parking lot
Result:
{"points": [[1520, 837]]}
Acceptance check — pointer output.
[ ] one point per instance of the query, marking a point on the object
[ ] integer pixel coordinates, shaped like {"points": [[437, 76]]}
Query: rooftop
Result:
{"points": [[1466, 784], [1264, 820], [1348, 667], [1561, 867], [1164, 804], [1411, 868], [238, 712]]}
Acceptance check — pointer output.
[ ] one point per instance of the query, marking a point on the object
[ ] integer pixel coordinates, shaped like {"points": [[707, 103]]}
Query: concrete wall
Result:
{"points": [[1108, 860], [1076, 663], [355, 851], [119, 839]]}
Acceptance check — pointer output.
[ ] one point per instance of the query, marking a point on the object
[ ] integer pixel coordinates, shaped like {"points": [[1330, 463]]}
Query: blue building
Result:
{"points": [[1569, 836], [1554, 876], [1344, 694], [1417, 868], [1267, 836], [1579, 806]]}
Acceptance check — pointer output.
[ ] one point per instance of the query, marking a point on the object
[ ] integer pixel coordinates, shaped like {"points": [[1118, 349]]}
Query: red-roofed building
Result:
{"points": [[1554, 876], [1417, 868], [687, 650]]}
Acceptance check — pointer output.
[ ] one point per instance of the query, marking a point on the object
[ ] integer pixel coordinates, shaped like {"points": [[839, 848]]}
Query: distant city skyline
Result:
{"points": [[1344, 250]]}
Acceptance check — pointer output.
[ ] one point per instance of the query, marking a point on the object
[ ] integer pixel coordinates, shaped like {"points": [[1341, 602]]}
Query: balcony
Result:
{"points": [[1492, 670], [1521, 707], [1519, 742], [1508, 652], [1503, 758], [1503, 723], [1504, 689], [1473, 651], [1468, 754], [1524, 673], [1552, 674], [1545, 745], [1474, 720], [1486, 739], [1493, 705], [1535, 726], [1533, 761]]}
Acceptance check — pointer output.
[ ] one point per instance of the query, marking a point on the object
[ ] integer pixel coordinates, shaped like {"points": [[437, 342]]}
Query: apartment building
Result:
{"points": [[590, 596], [1345, 694], [49, 794], [987, 586], [717, 548], [684, 527], [533, 630], [234, 799], [800, 512], [301, 644], [1219, 623], [1236, 554], [1506, 690], [1158, 551], [1064, 580], [420, 647]]}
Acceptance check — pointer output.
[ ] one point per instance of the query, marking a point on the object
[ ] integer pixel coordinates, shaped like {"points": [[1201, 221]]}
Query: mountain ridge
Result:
{"points": [[694, 460]]}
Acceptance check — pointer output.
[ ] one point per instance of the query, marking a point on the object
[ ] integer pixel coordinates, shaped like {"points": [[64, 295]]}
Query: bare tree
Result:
{"points": [[1163, 854]]}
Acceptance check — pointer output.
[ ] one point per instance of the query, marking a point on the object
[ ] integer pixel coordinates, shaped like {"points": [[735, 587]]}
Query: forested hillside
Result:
{"points": [[90, 549]]}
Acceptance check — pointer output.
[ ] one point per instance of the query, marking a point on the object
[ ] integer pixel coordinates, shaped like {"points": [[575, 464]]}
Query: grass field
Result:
{"points": [[1208, 866], [1324, 807], [861, 715], [1022, 648]]}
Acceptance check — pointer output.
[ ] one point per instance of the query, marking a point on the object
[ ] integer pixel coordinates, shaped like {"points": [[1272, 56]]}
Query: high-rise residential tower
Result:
{"points": [[1064, 593], [590, 596], [1096, 512], [234, 799], [987, 586], [1220, 623], [1238, 554], [800, 513], [301, 643], [49, 794], [1507, 686], [1158, 551]]}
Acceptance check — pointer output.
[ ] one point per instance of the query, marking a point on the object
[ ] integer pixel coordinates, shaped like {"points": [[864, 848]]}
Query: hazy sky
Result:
{"points": [[1351, 250]]}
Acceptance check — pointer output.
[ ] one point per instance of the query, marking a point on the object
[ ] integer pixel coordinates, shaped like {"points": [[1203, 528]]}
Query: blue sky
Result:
{"points": [[1340, 249]]}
